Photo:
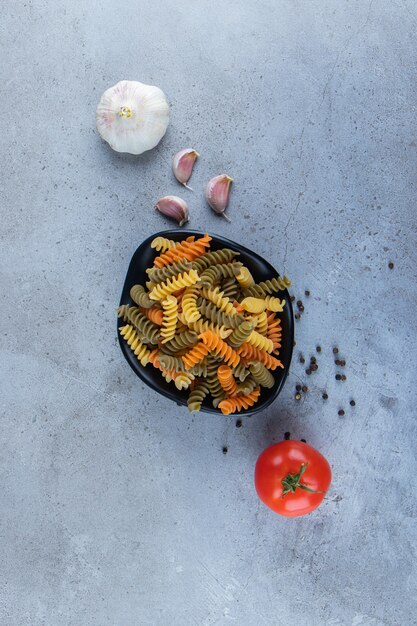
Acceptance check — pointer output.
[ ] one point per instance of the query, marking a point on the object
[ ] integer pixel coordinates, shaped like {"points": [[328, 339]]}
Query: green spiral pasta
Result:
{"points": [[214, 273], [225, 255], [240, 372], [148, 331], [197, 395], [199, 369], [248, 385], [140, 297], [171, 362], [261, 375], [230, 288], [160, 274], [268, 287], [187, 339], [215, 387], [211, 312], [240, 334]]}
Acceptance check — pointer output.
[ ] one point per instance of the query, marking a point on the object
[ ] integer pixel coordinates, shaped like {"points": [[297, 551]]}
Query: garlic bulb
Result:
{"points": [[132, 117]]}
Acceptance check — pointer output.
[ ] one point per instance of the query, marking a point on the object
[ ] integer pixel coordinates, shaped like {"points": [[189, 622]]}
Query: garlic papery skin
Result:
{"points": [[182, 165], [175, 207], [217, 193], [132, 117]]}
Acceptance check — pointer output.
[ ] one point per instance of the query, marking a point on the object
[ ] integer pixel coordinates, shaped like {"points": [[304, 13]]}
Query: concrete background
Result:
{"points": [[118, 507]]}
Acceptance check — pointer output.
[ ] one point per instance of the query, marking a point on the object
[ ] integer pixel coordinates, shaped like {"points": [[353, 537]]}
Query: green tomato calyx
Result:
{"points": [[292, 482]]}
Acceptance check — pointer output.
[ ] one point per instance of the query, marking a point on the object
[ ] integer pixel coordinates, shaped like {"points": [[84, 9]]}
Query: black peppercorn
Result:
{"points": [[287, 435], [238, 423], [308, 371], [302, 359], [318, 348], [292, 298], [342, 363], [325, 396], [224, 449], [338, 377], [343, 377], [391, 265], [352, 403], [299, 303], [335, 350], [298, 387], [307, 293], [314, 367], [304, 388], [297, 316], [341, 412], [313, 359]]}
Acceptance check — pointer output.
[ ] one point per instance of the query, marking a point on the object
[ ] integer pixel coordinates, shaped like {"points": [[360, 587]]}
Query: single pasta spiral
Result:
{"points": [[197, 395], [133, 341], [195, 355], [216, 296], [236, 404], [245, 278], [189, 304], [162, 290], [214, 258], [140, 297], [159, 274], [220, 347], [169, 324], [250, 353], [163, 244], [225, 376], [262, 376]]}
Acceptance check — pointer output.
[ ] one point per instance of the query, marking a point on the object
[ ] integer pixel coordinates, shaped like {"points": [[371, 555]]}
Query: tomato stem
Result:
{"points": [[292, 482]]}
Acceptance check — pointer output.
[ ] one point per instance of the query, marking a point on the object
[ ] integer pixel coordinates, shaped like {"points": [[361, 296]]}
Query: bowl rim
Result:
{"points": [[181, 401]]}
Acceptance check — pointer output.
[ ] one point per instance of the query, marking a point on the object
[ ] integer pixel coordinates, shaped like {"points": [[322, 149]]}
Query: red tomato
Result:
{"points": [[292, 478]]}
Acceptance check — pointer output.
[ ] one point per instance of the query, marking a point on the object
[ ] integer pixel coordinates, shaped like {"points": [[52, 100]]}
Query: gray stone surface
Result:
{"points": [[118, 507]]}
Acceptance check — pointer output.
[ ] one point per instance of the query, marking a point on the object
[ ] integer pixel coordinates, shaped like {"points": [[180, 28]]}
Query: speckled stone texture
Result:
{"points": [[118, 507]]}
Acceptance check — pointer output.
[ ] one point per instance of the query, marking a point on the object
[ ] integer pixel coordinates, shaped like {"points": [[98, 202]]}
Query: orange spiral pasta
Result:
{"points": [[236, 404], [195, 355], [255, 354], [220, 347], [274, 330], [189, 250], [227, 381], [155, 315]]}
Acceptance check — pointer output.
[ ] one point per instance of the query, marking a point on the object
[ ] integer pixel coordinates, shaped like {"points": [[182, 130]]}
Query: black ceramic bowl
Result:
{"points": [[261, 270]]}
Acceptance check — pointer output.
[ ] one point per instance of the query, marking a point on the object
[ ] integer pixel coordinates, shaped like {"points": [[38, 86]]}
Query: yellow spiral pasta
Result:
{"points": [[274, 304], [217, 297], [261, 323], [200, 326], [161, 244], [259, 341], [162, 290], [189, 304], [245, 278], [169, 322], [184, 380], [253, 305], [139, 349]]}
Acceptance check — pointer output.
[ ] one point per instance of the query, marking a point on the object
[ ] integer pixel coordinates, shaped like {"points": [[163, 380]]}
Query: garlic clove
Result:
{"points": [[132, 117], [217, 193], [182, 165], [175, 207]]}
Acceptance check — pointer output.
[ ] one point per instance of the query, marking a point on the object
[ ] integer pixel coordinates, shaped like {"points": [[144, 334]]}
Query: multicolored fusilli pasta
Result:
{"points": [[210, 327]]}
